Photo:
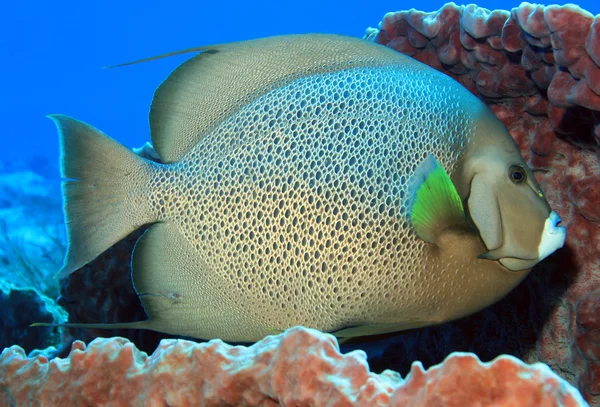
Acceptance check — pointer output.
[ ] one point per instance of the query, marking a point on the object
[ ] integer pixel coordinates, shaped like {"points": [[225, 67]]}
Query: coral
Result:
{"points": [[18, 308], [587, 338], [538, 69], [31, 245], [299, 367]]}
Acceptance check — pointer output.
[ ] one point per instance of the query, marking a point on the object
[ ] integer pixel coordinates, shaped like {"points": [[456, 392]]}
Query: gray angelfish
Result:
{"points": [[305, 182]]}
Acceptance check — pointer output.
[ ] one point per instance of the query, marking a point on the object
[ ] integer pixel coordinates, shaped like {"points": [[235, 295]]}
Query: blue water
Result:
{"points": [[52, 53]]}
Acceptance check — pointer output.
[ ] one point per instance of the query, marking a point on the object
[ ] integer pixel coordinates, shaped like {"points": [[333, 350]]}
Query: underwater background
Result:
{"points": [[53, 54]]}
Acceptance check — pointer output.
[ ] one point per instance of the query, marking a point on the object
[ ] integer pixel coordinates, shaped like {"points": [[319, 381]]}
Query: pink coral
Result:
{"points": [[538, 68], [301, 367]]}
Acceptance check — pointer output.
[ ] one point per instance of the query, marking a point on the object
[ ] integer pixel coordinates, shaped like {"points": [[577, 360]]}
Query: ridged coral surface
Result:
{"points": [[538, 69], [300, 367]]}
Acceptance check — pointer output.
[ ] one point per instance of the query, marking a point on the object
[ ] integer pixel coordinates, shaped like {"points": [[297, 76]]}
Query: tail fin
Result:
{"points": [[104, 191]]}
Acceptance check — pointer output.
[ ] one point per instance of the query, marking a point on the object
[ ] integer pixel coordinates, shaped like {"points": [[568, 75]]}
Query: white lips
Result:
{"points": [[553, 236]]}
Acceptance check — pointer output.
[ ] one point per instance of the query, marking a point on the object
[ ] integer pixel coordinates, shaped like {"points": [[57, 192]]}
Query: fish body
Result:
{"points": [[304, 181]]}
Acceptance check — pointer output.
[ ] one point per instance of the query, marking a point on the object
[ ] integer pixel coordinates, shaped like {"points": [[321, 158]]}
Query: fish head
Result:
{"points": [[505, 203]]}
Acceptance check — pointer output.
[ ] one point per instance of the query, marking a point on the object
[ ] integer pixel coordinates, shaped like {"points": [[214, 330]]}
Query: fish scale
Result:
{"points": [[281, 227]]}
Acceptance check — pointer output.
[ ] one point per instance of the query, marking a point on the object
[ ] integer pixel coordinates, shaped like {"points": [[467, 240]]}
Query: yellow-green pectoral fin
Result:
{"points": [[433, 202]]}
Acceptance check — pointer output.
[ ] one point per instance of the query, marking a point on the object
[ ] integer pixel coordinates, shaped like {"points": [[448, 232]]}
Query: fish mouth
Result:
{"points": [[553, 236], [555, 220]]}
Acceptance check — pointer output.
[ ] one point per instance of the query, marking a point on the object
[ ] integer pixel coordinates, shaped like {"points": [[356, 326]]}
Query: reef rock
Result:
{"points": [[538, 69], [31, 242], [301, 367], [19, 307]]}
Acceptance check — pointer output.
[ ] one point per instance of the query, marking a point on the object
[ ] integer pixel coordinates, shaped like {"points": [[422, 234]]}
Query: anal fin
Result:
{"points": [[378, 329], [146, 324], [183, 294]]}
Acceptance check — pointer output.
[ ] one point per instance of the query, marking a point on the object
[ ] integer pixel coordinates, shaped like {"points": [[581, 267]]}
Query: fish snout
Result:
{"points": [[553, 236], [555, 219]]}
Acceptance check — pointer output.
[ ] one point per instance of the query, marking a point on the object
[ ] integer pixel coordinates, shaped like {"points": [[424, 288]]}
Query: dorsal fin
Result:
{"points": [[208, 88], [156, 57]]}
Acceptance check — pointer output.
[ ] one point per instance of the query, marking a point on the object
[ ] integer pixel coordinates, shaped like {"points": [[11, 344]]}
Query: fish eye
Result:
{"points": [[517, 174]]}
